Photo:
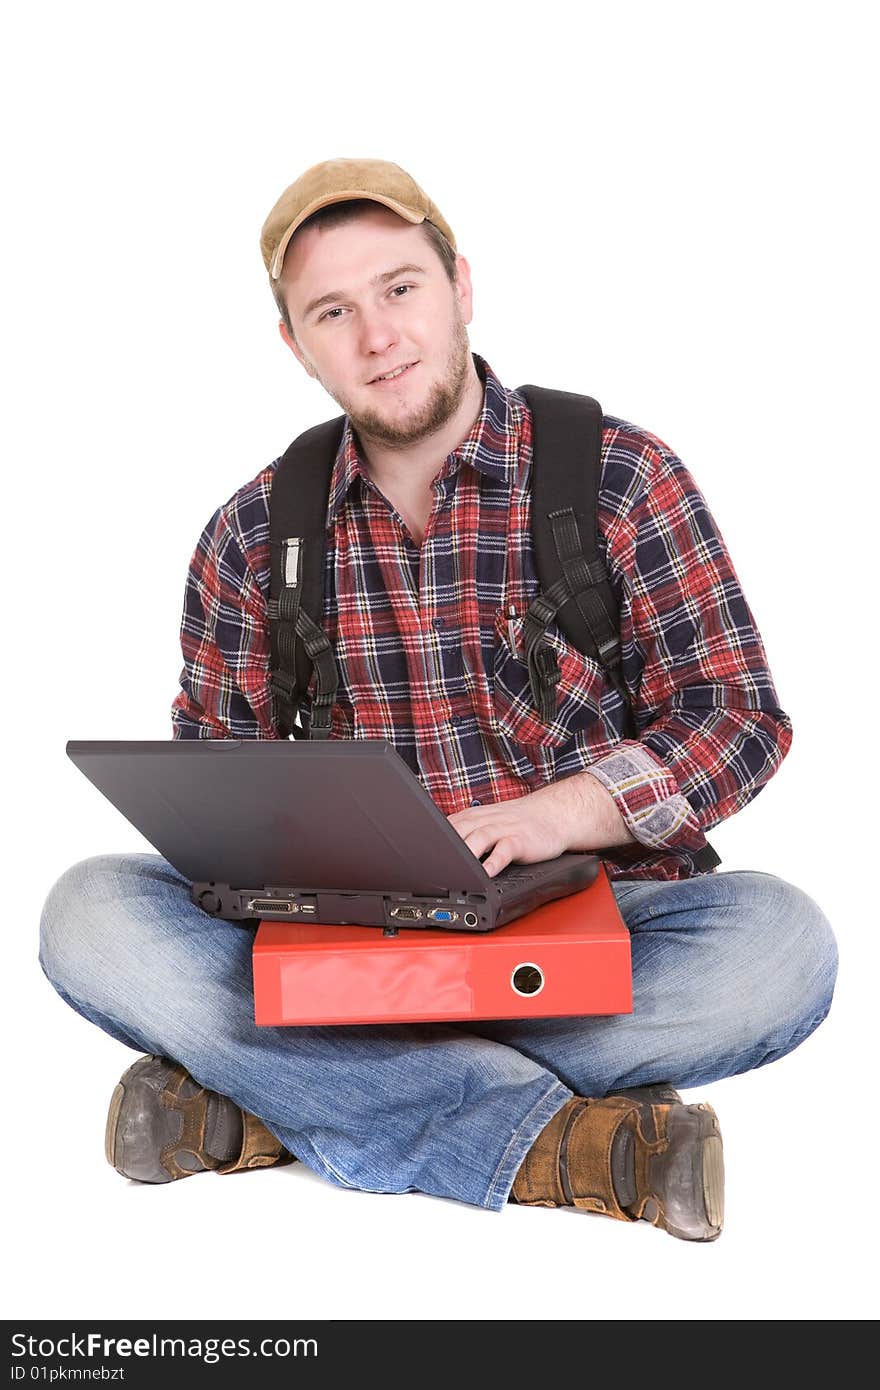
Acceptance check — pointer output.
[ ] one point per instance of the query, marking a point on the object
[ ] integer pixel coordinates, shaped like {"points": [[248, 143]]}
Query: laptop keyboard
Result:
{"points": [[515, 875]]}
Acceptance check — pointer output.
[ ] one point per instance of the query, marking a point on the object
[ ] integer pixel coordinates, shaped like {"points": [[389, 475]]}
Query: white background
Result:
{"points": [[667, 206]]}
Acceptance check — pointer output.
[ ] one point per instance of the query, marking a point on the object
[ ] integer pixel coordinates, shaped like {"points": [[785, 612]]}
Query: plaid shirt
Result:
{"points": [[422, 637]]}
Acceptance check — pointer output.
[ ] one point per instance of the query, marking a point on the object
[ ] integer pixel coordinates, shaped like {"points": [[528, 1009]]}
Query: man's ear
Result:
{"points": [[294, 347], [463, 289]]}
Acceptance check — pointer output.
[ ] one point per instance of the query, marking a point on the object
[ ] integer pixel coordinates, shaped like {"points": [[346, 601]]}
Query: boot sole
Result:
{"points": [[131, 1145], [112, 1123], [689, 1176]]}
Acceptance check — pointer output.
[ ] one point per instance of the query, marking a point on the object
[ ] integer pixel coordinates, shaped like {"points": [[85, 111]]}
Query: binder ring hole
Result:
{"points": [[527, 978]]}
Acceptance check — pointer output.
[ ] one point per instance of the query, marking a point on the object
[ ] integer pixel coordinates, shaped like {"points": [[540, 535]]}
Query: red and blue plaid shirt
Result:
{"points": [[422, 637]]}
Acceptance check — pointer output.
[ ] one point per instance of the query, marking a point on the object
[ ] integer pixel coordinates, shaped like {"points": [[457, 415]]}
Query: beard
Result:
{"points": [[424, 420]]}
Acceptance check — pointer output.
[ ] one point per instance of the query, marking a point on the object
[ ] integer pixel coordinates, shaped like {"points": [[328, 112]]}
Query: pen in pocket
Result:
{"points": [[511, 634]]}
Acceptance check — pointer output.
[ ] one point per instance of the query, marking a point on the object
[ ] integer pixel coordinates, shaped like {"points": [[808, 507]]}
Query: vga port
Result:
{"points": [[442, 914]]}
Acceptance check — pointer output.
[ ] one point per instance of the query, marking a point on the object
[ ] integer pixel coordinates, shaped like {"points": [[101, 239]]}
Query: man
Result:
{"points": [[429, 569]]}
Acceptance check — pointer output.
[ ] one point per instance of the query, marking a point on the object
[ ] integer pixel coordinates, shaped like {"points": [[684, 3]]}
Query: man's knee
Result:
{"points": [[81, 909], [795, 950]]}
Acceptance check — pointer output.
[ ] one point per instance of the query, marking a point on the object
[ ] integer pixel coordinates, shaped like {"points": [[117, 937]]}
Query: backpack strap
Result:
{"points": [[575, 590], [297, 537]]}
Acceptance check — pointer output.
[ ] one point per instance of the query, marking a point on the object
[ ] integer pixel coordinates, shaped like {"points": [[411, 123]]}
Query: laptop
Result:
{"points": [[337, 831]]}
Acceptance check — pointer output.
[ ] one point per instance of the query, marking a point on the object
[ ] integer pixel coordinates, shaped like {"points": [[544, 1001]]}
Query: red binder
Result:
{"points": [[571, 956]]}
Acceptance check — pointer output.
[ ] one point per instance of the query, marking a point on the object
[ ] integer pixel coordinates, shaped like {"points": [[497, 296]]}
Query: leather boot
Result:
{"points": [[631, 1157], [162, 1125]]}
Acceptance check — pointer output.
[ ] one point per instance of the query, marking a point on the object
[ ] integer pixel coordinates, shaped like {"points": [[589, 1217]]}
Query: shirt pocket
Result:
{"points": [[578, 692]]}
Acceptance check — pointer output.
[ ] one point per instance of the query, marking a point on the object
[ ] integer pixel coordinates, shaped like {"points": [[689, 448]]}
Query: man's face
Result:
{"points": [[386, 302]]}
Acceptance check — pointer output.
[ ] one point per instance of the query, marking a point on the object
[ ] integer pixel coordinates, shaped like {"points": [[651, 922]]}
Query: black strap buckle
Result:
{"points": [[282, 684], [609, 652], [544, 674], [547, 666]]}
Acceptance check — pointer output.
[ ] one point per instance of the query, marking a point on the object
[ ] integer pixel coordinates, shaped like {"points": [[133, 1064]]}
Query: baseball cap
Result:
{"points": [[339, 181]]}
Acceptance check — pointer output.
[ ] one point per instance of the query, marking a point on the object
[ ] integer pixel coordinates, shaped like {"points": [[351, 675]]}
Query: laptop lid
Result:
{"points": [[339, 826]]}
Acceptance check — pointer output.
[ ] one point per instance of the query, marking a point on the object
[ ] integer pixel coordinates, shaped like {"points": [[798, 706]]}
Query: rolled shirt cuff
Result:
{"points": [[649, 798]]}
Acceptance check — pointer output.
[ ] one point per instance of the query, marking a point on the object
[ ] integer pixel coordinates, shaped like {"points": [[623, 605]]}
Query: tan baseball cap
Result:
{"points": [[339, 181]]}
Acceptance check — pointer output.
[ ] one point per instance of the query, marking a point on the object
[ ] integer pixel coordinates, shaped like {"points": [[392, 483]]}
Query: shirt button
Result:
{"points": [[456, 719], [476, 802], [438, 623]]}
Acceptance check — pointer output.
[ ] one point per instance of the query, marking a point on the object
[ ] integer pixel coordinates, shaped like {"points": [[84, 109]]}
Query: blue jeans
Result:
{"points": [[730, 971]]}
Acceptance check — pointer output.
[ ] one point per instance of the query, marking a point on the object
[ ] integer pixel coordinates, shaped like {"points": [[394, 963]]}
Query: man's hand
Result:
{"points": [[576, 813]]}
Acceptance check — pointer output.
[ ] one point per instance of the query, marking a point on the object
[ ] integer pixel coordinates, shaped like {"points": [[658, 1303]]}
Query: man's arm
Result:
{"points": [[224, 632], [574, 814], [710, 729]]}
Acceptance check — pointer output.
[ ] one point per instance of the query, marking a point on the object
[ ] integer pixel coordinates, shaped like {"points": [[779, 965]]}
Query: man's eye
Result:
{"points": [[330, 313]]}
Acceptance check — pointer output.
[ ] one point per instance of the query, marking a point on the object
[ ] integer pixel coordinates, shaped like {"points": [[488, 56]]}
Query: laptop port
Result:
{"points": [[409, 914], [261, 906], [442, 914], [471, 919]]}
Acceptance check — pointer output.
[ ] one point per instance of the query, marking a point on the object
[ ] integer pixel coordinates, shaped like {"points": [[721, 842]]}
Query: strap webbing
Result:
{"points": [[576, 591], [297, 533]]}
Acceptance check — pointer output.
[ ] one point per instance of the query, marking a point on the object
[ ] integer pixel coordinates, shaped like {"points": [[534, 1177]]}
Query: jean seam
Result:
{"points": [[121, 1035], [530, 1127], [731, 1063], [798, 1036], [334, 1174]]}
